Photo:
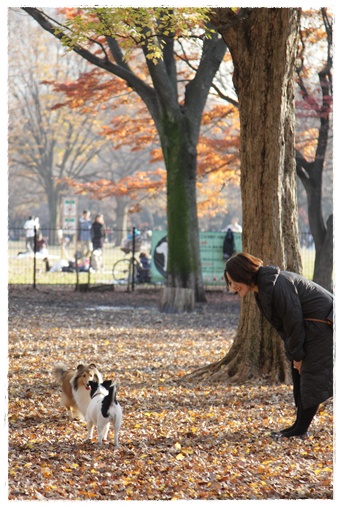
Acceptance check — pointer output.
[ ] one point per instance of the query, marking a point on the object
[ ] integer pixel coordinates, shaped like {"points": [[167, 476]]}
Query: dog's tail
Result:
{"points": [[59, 371], [109, 400]]}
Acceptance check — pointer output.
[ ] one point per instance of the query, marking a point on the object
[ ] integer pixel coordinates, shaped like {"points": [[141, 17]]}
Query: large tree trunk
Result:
{"points": [[178, 127], [184, 265], [263, 45]]}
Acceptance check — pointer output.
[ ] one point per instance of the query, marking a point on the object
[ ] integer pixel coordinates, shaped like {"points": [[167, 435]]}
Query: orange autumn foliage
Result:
{"points": [[132, 126]]}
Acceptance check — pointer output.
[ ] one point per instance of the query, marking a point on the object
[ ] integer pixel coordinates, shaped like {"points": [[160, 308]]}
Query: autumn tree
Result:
{"points": [[311, 153], [176, 112], [45, 145], [131, 182], [128, 202], [127, 161], [263, 45]]}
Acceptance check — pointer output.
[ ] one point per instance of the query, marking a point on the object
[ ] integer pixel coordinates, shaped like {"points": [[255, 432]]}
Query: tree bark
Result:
{"points": [[184, 266], [54, 213], [263, 46], [176, 300], [122, 206]]}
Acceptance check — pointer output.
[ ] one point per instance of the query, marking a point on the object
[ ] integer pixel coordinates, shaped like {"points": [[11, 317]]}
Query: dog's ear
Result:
{"points": [[107, 384], [93, 366], [80, 367]]}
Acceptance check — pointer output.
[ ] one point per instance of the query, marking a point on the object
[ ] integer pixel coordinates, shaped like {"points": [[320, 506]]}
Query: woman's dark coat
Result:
{"points": [[286, 300]]}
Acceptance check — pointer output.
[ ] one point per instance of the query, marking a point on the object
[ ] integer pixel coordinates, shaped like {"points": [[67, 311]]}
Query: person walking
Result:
{"points": [[84, 234], [98, 235], [302, 313], [29, 226]]}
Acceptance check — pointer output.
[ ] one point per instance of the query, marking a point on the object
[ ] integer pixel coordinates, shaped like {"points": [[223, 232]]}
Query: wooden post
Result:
{"points": [[176, 300]]}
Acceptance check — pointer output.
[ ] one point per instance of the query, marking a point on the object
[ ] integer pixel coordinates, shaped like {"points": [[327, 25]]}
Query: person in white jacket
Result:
{"points": [[29, 226]]}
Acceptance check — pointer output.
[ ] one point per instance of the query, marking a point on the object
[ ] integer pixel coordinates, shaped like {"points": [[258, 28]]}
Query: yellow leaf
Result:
{"points": [[177, 446], [188, 450], [180, 456]]}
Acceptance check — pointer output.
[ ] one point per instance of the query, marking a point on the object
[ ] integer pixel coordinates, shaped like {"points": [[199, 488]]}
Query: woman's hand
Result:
{"points": [[298, 366]]}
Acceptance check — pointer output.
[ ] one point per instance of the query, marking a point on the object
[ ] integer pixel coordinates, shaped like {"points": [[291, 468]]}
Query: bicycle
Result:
{"points": [[129, 271]]}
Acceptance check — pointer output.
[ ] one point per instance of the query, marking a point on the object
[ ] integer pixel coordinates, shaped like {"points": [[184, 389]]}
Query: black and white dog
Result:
{"points": [[103, 409]]}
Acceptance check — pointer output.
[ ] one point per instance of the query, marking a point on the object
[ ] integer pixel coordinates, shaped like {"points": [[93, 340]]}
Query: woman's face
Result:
{"points": [[239, 288]]}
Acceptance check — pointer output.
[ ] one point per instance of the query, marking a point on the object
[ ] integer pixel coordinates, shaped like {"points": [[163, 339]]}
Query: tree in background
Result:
{"points": [[127, 160], [44, 144], [176, 111], [316, 106], [218, 149]]}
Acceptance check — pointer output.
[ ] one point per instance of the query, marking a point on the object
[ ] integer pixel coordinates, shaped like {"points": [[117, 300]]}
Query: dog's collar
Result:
{"points": [[96, 394]]}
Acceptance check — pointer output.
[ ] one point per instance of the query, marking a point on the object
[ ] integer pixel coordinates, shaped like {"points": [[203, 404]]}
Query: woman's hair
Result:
{"points": [[243, 268]]}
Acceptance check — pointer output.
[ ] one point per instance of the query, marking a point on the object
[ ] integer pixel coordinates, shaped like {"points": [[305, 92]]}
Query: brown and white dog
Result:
{"points": [[75, 387]]}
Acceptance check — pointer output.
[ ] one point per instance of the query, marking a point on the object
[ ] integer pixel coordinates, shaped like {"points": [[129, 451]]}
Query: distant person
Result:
{"points": [[29, 226], [84, 234], [143, 274], [98, 235], [229, 247], [41, 247], [233, 226], [63, 242]]}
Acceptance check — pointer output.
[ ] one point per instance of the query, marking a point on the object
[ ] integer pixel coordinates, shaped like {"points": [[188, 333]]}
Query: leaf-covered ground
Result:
{"points": [[177, 441]]}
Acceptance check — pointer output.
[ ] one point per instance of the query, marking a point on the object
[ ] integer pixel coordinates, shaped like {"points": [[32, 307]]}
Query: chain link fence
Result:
{"points": [[54, 257]]}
